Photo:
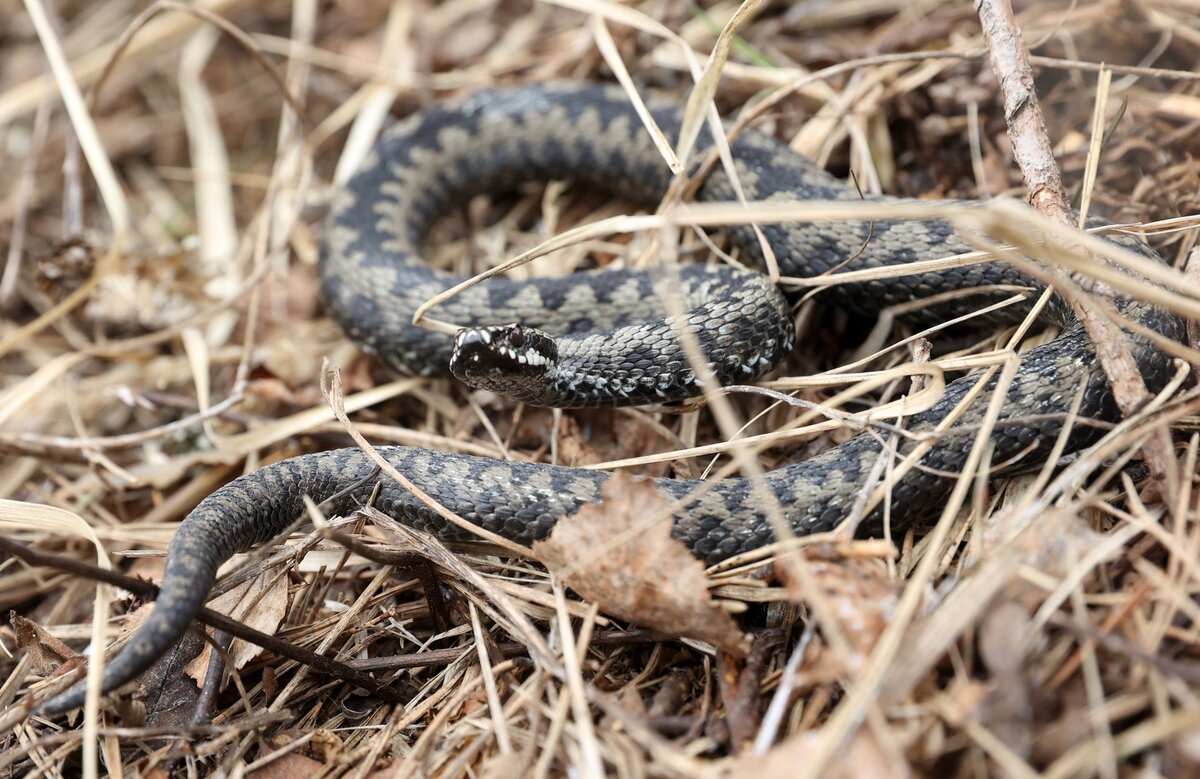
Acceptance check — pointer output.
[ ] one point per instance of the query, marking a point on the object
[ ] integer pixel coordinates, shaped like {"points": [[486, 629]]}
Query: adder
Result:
{"points": [[601, 338]]}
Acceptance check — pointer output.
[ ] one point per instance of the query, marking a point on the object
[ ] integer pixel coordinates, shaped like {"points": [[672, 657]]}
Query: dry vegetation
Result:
{"points": [[163, 333]]}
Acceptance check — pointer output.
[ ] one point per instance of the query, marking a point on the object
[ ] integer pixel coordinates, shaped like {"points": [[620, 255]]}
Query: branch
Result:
{"points": [[1033, 154]]}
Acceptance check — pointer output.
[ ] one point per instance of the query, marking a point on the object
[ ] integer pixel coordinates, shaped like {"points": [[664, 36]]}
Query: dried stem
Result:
{"points": [[1034, 154]]}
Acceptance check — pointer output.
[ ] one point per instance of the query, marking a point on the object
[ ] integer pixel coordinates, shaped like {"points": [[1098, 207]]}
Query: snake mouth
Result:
{"points": [[503, 358]]}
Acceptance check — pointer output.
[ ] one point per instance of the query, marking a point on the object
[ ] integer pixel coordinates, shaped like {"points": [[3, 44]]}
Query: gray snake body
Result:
{"points": [[373, 279]]}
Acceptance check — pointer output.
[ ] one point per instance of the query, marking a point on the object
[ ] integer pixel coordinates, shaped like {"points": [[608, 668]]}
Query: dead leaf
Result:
{"points": [[134, 620], [861, 758], [287, 766], [166, 697], [635, 570], [611, 435], [504, 765], [146, 568], [46, 652], [323, 744], [861, 598], [327, 745], [259, 603]]}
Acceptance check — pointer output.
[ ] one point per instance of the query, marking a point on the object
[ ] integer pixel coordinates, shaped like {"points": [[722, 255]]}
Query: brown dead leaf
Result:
{"points": [[134, 620], [47, 653], [582, 438], [327, 745], [244, 604], [861, 598], [861, 758], [148, 568], [323, 744], [504, 765], [614, 437], [635, 570], [287, 766]]}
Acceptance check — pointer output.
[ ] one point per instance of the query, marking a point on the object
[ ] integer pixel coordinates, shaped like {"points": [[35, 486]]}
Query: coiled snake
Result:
{"points": [[613, 345]]}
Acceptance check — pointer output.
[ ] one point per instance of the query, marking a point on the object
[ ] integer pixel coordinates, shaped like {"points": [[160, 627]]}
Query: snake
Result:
{"points": [[601, 337]]}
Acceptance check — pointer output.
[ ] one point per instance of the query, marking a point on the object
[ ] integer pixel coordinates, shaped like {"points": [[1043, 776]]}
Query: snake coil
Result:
{"points": [[599, 338]]}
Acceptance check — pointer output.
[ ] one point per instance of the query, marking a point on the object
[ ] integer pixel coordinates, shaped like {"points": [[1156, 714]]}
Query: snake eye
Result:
{"points": [[517, 337]]}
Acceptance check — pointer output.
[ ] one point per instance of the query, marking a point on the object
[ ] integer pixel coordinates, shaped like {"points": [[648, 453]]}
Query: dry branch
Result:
{"points": [[1034, 154]]}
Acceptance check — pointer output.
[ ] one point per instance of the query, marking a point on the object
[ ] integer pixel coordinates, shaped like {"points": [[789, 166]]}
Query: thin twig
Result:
{"points": [[148, 591]]}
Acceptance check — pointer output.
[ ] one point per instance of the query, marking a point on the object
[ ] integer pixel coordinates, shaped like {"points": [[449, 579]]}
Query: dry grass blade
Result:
{"points": [[215, 220], [375, 99], [16, 517], [701, 98], [608, 49]]}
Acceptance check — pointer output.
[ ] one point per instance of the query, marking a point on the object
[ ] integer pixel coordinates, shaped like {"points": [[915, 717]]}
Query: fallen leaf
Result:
{"points": [[259, 603], [147, 568], [166, 697], [323, 744], [861, 757], [611, 435], [861, 598], [287, 766], [609, 554], [504, 765], [46, 652]]}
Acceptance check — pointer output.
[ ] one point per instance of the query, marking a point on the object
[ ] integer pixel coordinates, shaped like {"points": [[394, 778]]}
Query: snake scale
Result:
{"points": [[610, 343]]}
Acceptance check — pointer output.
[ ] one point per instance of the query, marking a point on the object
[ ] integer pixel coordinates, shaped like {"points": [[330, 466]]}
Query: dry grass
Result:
{"points": [[163, 335]]}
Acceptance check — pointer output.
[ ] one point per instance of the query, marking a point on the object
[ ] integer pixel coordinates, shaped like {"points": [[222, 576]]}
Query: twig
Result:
{"points": [[34, 443], [147, 591], [1035, 156], [1026, 125], [171, 731], [508, 649]]}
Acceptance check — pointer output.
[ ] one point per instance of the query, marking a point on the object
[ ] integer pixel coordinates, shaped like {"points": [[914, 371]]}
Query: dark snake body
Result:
{"points": [[373, 279]]}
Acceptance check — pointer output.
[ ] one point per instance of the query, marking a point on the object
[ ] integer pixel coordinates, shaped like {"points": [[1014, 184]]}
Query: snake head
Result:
{"points": [[511, 360]]}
